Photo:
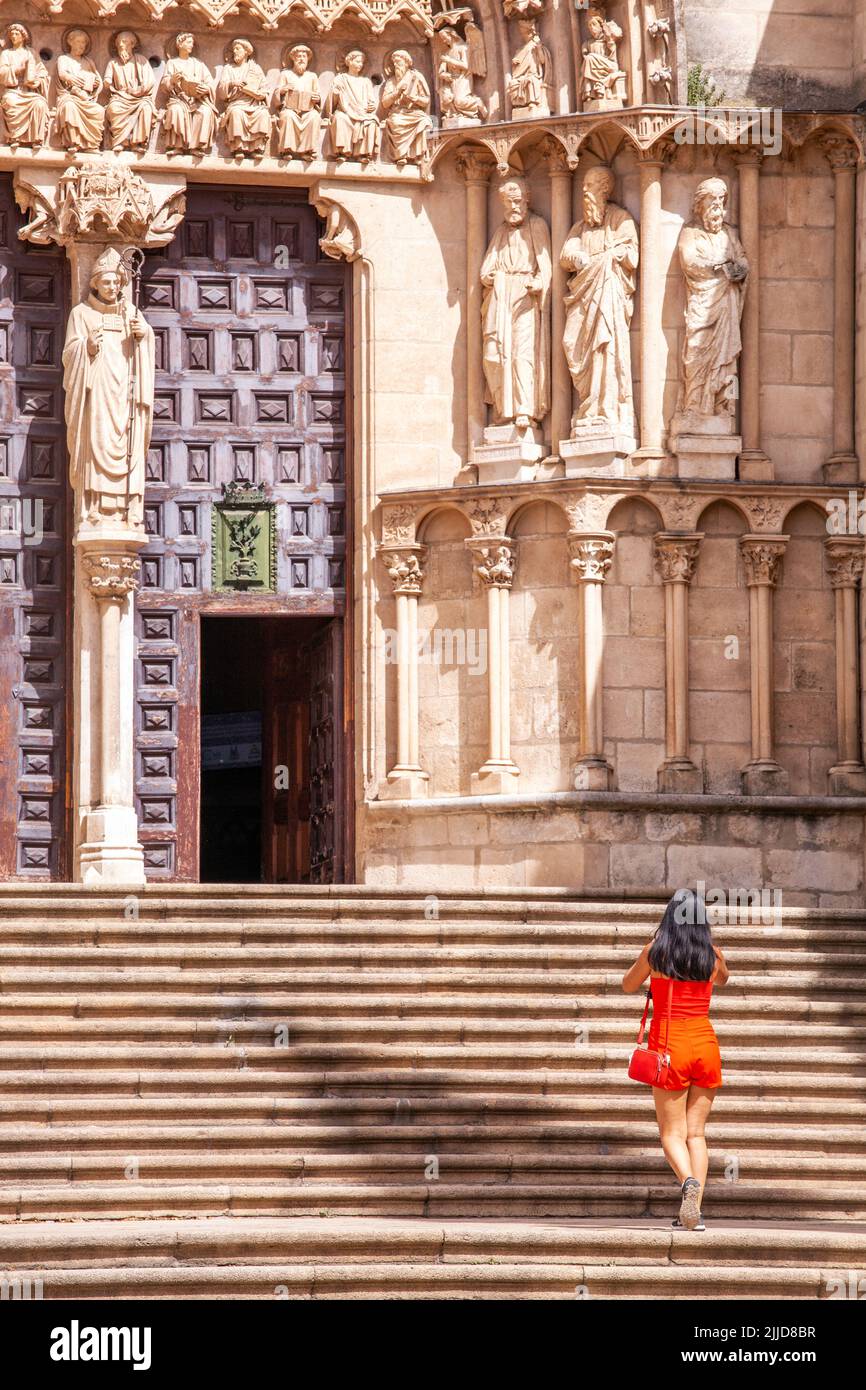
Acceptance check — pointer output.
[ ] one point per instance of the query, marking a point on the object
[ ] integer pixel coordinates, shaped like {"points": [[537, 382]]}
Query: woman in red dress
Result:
{"points": [[683, 964]]}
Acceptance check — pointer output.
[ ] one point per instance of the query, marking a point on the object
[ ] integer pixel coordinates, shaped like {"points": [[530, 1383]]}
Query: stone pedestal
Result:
{"points": [[495, 779], [847, 779], [680, 775], [405, 784], [764, 778], [593, 775], [705, 447], [508, 454], [106, 570], [596, 449], [753, 466]]}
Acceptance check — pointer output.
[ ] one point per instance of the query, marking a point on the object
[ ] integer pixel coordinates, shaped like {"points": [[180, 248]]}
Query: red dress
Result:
{"points": [[692, 1042]]}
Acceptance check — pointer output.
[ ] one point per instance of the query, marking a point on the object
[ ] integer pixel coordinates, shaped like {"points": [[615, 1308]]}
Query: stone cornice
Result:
{"points": [[271, 15]]}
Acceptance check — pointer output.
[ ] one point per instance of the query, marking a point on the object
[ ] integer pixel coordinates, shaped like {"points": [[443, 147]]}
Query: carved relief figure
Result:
{"points": [[516, 274], [108, 380], [300, 102], [80, 118], [459, 61], [241, 86], [352, 105], [130, 80], [406, 103], [715, 269], [531, 75], [601, 251], [190, 119], [24, 86], [601, 77]]}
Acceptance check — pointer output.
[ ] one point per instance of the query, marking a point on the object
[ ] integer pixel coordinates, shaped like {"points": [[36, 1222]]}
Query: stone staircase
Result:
{"points": [[221, 1092]]}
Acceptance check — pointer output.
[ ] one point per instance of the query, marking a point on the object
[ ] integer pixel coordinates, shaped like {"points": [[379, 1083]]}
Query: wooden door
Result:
{"points": [[286, 767], [327, 757], [250, 322], [35, 558]]}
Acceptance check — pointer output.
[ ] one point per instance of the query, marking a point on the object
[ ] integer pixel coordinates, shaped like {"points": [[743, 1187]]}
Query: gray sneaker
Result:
{"points": [[690, 1206]]}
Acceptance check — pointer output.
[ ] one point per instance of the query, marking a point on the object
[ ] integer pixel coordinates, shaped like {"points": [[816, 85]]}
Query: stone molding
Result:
{"points": [[494, 560], [405, 566], [591, 556], [762, 557], [843, 558], [676, 557], [111, 576]]}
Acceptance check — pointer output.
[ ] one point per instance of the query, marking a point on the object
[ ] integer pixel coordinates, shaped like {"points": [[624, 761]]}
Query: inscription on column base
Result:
{"points": [[765, 778]]}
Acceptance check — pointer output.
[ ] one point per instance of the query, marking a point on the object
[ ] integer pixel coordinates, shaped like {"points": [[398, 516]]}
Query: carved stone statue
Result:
{"points": [[352, 107], [531, 75], [406, 103], [24, 86], [516, 274], [190, 119], [246, 119], [130, 80], [601, 76], [715, 270], [108, 362], [601, 251], [300, 101], [459, 60], [80, 118]]}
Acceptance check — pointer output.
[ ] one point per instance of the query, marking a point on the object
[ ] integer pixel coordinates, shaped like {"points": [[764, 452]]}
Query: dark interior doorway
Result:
{"points": [[271, 750]]}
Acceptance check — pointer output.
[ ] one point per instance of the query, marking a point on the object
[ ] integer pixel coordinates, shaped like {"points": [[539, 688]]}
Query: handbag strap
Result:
{"points": [[649, 995]]}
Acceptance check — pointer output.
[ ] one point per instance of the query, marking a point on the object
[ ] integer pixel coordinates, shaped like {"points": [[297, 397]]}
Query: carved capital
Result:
{"points": [[99, 199], [840, 152], [591, 555], [843, 557], [676, 557], [762, 557], [475, 163], [405, 566], [495, 561], [660, 152], [111, 575], [556, 157]]}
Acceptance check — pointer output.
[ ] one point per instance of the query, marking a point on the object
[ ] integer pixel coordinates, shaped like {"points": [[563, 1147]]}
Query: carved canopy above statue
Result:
{"points": [[373, 14]]}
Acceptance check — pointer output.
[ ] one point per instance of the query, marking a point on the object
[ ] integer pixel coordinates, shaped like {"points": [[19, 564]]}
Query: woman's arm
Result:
{"points": [[721, 974], [638, 973]]}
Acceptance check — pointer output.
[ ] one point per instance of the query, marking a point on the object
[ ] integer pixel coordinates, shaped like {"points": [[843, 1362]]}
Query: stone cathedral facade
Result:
{"points": [[432, 450]]}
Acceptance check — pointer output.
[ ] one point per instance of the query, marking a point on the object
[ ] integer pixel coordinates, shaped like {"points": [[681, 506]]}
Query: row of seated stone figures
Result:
{"points": [[197, 105], [600, 255]]}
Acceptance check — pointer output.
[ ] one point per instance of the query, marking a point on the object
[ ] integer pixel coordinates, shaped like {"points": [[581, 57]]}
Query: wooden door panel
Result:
{"points": [[35, 558]]}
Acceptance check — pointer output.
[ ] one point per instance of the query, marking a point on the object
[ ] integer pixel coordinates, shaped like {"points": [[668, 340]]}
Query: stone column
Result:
{"points": [[475, 166], [404, 564], [652, 457], [762, 557], [495, 561], [753, 462], [843, 465], [560, 225], [843, 556], [106, 570], [676, 557], [591, 555]]}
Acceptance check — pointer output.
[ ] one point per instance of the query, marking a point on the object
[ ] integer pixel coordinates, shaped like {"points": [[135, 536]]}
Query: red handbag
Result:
{"points": [[652, 1068]]}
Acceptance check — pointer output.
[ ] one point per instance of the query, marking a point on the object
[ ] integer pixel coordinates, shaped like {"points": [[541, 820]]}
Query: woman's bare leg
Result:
{"points": [[673, 1130], [698, 1104]]}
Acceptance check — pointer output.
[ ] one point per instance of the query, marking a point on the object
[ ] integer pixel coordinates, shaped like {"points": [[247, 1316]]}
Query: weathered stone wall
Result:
{"points": [[796, 54]]}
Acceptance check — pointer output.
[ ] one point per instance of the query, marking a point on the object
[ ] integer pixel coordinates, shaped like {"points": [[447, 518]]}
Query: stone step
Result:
{"points": [[630, 1137], [571, 1060], [729, 1007], [733, 1034], [293, 1158], [755, 1200], [342, 1257], [99, 978], [478, 1082]]}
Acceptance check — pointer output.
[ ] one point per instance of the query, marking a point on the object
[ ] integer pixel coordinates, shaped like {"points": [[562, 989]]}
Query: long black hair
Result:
{"points": [[682, 947]]}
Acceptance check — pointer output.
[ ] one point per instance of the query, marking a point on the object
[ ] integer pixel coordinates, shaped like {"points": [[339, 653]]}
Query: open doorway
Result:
{"points": [[271, 750]]}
